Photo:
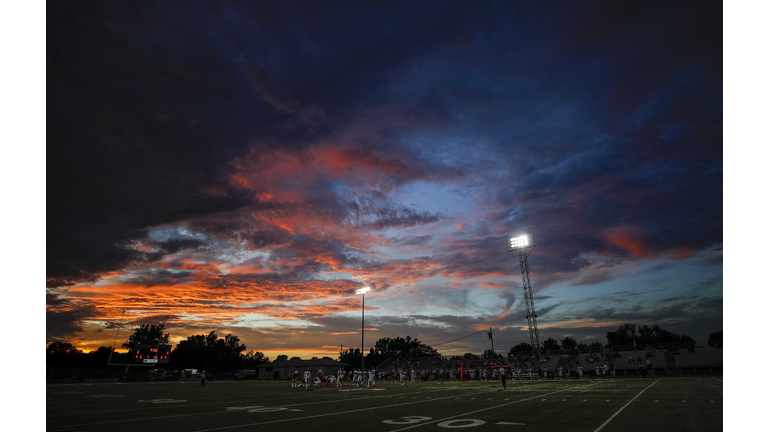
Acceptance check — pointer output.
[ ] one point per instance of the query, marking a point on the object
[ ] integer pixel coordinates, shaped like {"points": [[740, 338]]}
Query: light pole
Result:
{"points": [[520, 247], [362, 292]]}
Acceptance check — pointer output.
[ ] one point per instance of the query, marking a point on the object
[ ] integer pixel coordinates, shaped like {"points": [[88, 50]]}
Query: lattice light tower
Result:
{"points": [[520, 247]]}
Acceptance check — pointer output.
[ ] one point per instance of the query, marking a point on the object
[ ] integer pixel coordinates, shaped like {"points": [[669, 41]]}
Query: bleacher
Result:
{"points": [[669, 359], [701, 360]]}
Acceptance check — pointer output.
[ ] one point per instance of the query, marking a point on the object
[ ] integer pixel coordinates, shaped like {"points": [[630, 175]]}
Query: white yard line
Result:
{"points": [[622, 408]]}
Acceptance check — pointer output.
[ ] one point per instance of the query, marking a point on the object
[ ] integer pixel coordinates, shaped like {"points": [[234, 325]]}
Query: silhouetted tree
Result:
{"points": [[209, 352], [98, 358], [281, 357], [62, 353], [551, 345], [568, 343], [521, 348], [62, 348], [626, 334], [253, 359], [399, 348], [297, 358], [715, 339], [351, 357], [147, 335], [631, 334]]}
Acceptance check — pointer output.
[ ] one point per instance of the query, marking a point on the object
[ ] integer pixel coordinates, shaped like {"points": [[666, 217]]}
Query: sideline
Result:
{"points": [[622, 408]]}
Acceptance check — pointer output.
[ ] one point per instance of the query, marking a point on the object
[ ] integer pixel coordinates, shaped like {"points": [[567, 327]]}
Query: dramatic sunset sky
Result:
{"points": [[243, 167]]}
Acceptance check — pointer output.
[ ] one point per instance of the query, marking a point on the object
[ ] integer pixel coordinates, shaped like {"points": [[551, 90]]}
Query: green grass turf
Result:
{"points": [[665, 404]]}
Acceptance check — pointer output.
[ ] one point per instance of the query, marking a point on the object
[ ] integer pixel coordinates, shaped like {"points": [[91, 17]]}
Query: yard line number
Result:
{"points": [[448, 424]]}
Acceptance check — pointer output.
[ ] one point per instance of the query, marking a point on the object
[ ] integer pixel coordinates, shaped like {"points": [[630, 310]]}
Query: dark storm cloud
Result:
{"points": [[159, 277], [240, 226], [53, 299], [133, 140], [174, 245], [64, 318], [402, 217]]}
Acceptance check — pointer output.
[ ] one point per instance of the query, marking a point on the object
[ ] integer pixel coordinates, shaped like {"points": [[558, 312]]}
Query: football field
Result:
{"points": [[625, 405]]}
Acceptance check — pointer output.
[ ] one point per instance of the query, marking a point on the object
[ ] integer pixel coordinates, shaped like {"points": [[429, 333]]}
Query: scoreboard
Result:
{"points": [[149, 354]]}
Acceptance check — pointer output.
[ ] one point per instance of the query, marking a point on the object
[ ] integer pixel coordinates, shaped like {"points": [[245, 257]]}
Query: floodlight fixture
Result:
{"points": [[521, 243], [362, 290]]}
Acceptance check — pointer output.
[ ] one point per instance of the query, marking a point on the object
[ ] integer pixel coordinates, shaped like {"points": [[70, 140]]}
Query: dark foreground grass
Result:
{"points": [[625, 405]]}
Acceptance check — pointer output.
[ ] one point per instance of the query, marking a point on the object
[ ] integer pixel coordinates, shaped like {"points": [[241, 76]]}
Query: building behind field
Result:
{"points": [[281, 370]]}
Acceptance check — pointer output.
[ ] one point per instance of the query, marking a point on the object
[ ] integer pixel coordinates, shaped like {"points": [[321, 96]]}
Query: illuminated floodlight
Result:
{"points": [[518, 242], [362, 290]]}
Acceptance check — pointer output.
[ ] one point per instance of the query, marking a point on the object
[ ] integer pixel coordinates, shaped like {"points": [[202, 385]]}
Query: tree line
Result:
{"points": [[196, 352], [627, 335], [227, 353]]}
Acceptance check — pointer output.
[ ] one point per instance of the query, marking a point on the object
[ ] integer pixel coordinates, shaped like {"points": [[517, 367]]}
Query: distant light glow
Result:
{"points": [[362, 290]]}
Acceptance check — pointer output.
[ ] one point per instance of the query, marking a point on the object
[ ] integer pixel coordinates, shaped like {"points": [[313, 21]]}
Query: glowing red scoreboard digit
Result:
{"points": [[149, 354]]}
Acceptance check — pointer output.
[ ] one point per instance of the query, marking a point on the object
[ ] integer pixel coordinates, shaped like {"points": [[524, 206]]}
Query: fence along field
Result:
{"points": [[624, 404]]}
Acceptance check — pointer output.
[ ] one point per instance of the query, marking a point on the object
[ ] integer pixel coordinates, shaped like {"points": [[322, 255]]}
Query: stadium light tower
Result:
{"points": [[520, 247], [362, 292]]}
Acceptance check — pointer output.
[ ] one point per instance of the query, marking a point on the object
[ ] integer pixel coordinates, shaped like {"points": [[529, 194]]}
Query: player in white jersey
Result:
{"points": [[295, 379], [579, 371], [339, 377], [371, 378], [307, 378], [402, 377]]}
